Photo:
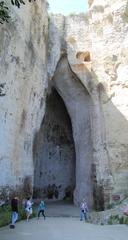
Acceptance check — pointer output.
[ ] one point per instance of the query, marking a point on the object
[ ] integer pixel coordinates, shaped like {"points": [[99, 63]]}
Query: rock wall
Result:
{"points": [[109, 34], [87, 65], [23, 82], [96, 48]]}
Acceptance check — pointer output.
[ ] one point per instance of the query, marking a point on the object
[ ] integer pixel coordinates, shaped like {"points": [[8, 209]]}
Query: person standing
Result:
{"points": [[28, 207], [83, 210], [14, 208], [41, 209]]}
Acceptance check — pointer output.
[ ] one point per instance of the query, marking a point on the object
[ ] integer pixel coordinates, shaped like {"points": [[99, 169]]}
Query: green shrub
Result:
{"points": [[72, 14], [110, 222], [121, 220], [5, 215], [126, 220], [116, 219], [110, 206], [113, 219], [4, 15]]}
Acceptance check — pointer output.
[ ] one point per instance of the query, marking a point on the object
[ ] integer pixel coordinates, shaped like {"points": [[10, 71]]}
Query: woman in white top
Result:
{"points": [[28, 208]]}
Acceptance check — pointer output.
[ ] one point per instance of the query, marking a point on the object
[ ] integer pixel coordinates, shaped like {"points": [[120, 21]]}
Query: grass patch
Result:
{"points": [[5, 214]]}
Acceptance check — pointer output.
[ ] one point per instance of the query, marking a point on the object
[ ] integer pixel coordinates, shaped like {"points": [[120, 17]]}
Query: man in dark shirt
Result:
{"points": [[14, 207]]}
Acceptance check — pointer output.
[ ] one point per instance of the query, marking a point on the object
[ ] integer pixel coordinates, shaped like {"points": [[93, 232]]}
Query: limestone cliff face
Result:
{"points": [[88, 67], [109, 35], [22, 91], [96, 47]]}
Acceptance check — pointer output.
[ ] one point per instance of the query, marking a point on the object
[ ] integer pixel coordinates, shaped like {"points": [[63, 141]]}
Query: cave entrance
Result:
{"points": [[63, 149], [54, 153]]}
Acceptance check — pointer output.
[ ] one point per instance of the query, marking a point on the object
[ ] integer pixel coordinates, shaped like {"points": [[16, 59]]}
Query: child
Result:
{"points": [[41, 209]]}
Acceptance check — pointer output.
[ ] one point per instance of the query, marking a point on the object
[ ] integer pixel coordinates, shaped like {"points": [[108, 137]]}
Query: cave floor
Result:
{"points": [[61, 209]]}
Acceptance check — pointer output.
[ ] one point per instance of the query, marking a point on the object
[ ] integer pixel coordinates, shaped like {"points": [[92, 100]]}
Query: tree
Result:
{"points": [[4, 11], [19, 2], [4, 15]]}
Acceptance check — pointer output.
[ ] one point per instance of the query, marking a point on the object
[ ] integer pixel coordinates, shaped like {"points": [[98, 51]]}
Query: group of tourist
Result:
{"points": [[41, 210], [27, 208]]}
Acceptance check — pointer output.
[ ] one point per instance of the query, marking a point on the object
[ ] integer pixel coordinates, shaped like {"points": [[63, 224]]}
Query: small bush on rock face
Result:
{"points": [[72, 14], [126, 195], [110, 222], [113, 220], [121, 220], [110, 206], [126, 220]]}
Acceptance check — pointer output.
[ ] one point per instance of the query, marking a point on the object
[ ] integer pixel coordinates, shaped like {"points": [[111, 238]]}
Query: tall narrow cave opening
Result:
{"points": [[54, 153], [79, 105]]}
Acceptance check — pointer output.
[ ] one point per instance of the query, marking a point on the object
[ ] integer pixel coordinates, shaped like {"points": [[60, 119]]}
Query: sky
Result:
{"points": [[66, 7]]}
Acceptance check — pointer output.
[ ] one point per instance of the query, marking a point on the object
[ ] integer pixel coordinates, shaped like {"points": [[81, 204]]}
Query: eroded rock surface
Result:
{"points": [[88, 67], [22, 91], [102, 32]]}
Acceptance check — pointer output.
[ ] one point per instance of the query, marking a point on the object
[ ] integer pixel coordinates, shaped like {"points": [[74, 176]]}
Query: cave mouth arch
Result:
{"points": [[63, 147], [79, 104], [54, 152]]}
